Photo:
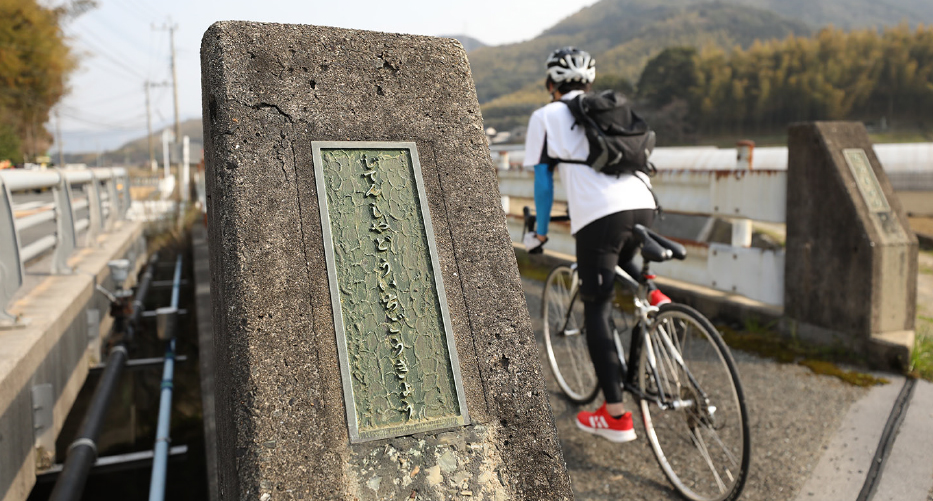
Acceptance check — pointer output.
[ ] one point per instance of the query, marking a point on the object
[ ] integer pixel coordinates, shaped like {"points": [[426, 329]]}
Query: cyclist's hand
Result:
{"points": [[533, 244]]}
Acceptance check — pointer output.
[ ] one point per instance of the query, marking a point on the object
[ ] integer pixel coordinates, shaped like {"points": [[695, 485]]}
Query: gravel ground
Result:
{"points": [[793, 414]]}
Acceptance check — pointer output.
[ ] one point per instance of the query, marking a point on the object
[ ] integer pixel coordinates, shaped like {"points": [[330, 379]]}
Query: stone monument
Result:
{"points": [[851, 262], [371, 334]]}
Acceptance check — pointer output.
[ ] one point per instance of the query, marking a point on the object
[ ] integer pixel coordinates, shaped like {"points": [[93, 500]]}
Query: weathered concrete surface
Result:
{"points": [[268, 91], [202, 298], [841, 471], [54, 348], [908, 473], [850, 270]]}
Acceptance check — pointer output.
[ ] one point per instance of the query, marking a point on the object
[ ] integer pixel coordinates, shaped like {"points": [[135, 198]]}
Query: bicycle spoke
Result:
{"points": [[701, 446], [685, 359], [729, 454]]}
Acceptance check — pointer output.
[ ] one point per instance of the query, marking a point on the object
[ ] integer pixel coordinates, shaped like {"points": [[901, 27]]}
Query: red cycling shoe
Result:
{"points": [[657, 298], [602, 424]]}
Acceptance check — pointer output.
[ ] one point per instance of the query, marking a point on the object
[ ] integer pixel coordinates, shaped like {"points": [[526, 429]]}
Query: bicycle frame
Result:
{"points": [[630, 367]]}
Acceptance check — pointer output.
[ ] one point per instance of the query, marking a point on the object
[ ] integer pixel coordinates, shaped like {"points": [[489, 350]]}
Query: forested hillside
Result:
{"points": [[624, 35], [860, 75]]}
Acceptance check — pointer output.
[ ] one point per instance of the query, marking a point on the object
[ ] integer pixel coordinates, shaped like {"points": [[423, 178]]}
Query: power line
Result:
{"points": [[136, 12], [106, 53], [100, 52], [109, 26]]}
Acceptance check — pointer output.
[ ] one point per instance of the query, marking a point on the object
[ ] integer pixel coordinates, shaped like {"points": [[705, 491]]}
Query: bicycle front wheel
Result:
{"points": [[565, 337], [695, 414]]}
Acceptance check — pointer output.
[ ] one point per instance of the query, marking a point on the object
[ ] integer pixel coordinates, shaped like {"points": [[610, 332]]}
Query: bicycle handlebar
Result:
{"points": [[655, 247]]}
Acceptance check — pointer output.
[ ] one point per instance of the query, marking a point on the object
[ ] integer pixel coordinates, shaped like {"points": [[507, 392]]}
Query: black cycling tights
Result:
{"points": [[602, 347], [600, 246]]}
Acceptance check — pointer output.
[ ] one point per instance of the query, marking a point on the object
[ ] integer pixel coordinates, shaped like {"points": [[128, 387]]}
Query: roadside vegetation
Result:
{"points": [[763, 340], [921, 361], [35, 61]]}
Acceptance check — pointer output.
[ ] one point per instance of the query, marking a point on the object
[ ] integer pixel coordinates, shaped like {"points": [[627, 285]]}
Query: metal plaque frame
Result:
{"points": [[329, 253], [866, 180]]}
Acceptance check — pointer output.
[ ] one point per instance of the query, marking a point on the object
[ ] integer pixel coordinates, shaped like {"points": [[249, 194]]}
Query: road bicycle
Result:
{"points": [[678, 370]]}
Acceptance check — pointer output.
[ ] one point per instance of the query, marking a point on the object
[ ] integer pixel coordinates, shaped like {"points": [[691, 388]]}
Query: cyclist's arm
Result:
{"points": [[544, 196], [544, 177]]}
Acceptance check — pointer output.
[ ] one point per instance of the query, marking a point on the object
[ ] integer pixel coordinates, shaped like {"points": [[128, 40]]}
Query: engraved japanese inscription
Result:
{"points": [[866, 180], [399, 363]]}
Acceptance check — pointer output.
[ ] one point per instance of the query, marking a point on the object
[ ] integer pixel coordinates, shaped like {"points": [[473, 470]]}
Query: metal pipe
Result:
{"points": [[78, 177], [176, 283], [82, 453], [32, 250], [163, 438], [35, 219], [30, 180]]}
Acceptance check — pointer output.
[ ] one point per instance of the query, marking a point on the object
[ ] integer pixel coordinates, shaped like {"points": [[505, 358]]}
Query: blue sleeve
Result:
{"points": [[544, 196]]}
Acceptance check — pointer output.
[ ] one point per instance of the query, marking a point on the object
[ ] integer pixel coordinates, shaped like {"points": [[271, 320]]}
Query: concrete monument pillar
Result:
{"points": [[851, 262], [371, 334]]}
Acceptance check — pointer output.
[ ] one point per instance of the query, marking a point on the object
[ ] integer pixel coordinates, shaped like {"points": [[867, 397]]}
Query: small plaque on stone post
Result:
{"points": [[390, 308]]}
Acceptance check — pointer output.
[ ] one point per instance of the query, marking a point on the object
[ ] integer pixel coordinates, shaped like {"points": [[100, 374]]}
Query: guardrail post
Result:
{"points": [[95, 211], [65, 225], [127, 195], [115, 204], [741, 232], [11, 267]]}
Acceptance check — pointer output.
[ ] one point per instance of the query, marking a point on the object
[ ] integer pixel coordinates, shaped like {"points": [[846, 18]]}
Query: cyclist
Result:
{"points": [[604, 209]]}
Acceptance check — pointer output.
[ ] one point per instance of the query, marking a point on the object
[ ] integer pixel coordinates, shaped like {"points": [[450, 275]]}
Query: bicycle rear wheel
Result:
{"points": [[565, 337], [702, 439]]}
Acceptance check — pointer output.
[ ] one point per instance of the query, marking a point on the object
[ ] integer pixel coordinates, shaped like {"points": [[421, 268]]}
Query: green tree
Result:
{"points": [[9, 145], [668, 76], [35, 61]]}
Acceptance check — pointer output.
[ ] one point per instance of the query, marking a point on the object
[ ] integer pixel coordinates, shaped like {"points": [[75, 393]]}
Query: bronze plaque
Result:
{"points": [[398, 358], [866, 180]]}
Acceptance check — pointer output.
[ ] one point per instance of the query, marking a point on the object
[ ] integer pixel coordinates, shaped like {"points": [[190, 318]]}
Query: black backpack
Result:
{"points": [[620, 140]]}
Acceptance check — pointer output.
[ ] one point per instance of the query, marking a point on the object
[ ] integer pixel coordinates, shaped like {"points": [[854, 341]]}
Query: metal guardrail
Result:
{"points": [[740, 195], [106, 196]]}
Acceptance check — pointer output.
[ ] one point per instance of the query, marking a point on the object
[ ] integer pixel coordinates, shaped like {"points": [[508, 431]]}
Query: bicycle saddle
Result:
{"points": [[657, 248]]}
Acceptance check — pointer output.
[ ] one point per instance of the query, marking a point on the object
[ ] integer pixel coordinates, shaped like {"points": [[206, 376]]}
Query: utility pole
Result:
{"points": [[152, 163], [148, 85], [171, 37]]}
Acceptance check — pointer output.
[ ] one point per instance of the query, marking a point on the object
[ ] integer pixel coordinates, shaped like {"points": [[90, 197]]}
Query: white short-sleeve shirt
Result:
{"points": [[590, 194]]}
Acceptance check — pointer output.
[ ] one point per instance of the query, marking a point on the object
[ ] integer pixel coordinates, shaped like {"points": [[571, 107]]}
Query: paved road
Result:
{"points": [[794, 417]]}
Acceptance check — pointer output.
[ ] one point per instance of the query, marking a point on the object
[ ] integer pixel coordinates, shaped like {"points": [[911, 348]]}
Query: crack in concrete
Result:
{"points": [[264, 105]]}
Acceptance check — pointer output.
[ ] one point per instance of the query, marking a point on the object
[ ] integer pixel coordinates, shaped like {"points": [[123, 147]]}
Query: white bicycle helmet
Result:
{"points": [[570, 64]]}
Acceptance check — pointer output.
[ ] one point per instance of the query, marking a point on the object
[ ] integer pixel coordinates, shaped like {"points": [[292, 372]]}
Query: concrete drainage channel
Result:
{"points": [[127, 439]]}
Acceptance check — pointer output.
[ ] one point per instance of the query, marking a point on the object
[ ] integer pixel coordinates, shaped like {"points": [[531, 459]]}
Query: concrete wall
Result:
{"points": [[54, 348]]}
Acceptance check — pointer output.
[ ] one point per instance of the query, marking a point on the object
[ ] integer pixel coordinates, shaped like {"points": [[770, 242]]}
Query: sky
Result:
{"points": [[124, 43]]}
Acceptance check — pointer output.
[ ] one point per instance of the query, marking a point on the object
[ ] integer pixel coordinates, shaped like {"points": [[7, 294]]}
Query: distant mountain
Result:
{"points": [[624, 34], [136, 151], [469, 43], [850, 14]]}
